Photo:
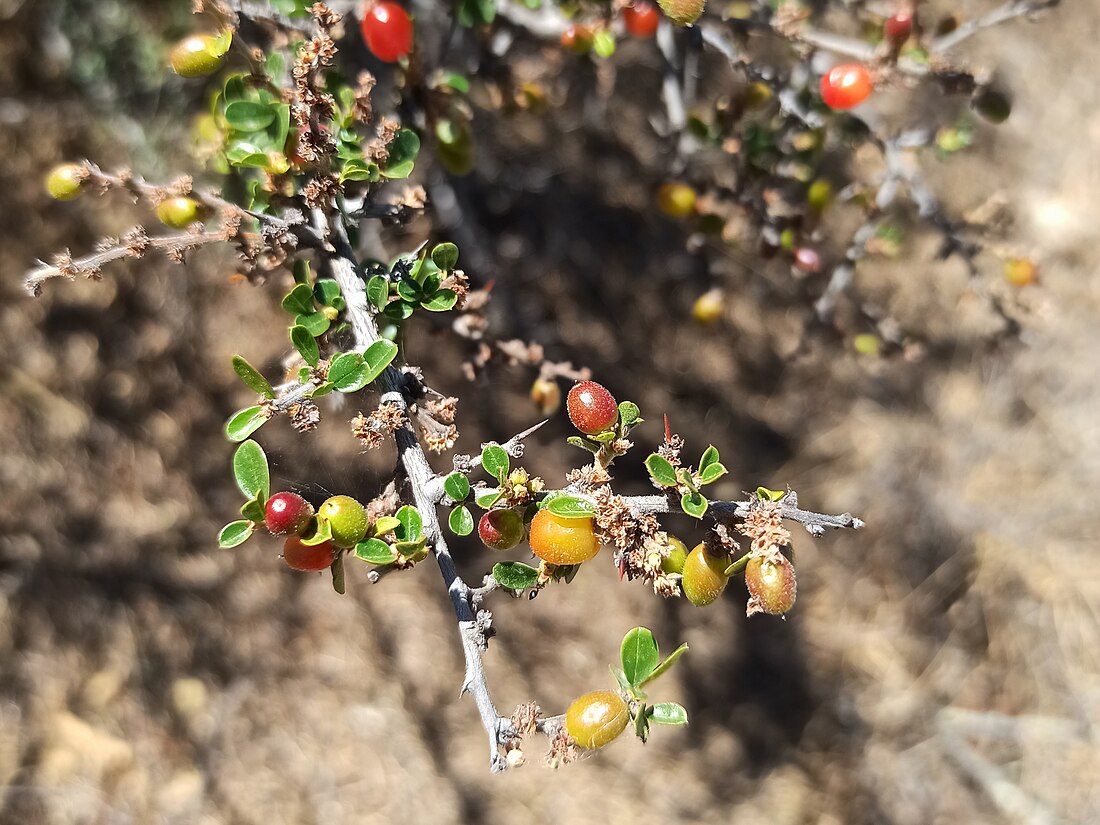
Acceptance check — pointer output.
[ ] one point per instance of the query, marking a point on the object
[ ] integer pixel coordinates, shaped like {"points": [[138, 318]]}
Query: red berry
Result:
{"points": [[287, 514], [591, 408], [577, 39], [501, 529], [899, 27], [305, 558], [771, 584], [807, 259], [388, 31], [846, 86], [641, 19]]}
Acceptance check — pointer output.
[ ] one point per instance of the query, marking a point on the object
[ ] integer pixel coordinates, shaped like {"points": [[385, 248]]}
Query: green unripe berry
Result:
{"points": [[682, 12], [596, 718], [179, 213], [677, 556], [64, 182], [347, 519], [704, 576], [195, 56]]}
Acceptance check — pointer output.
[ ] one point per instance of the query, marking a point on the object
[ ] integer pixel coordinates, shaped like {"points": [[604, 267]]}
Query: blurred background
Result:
{"points": [[941, 666]]}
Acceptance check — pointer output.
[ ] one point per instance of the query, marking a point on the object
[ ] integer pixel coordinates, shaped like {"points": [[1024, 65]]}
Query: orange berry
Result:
{"points": [[560, 540]]}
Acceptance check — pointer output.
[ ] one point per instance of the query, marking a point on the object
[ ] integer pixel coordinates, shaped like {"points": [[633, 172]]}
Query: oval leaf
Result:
{"points": [[712, 473], [441, 300], [377, 357], [457, 487], [375, 551], [694, 504], [629, 414], [486, 497], [710, 456], [305, 344], [235, 533], [639, 654], [401, 152], [461, 521], [252, 377], [445, 256], [378, 292], [245, 422], [515, 575], [660, 470], [669, 661], [411, 524], [249, 116], [570, 507], [250, 471], [495, 461], [668, 713], [344, 370]]}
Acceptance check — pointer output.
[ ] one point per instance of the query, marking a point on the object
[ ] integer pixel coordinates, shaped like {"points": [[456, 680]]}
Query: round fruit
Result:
{"points": [[677, 555], [819, 195], [846, 86], [1021, 272], [704, 576], [305, 558], [772, 584], [577, 39], [501, 529], [179, 213], [387, 31], [546, 394], [194, 57], [682, 12], [677, 200], [757, 94], [992, 104], [899, 27], [64, 182], [596, 718], [708, 307], [807, 259], [560, 540], [287, 514], [591, 408], [641, 19], [347, 518]]}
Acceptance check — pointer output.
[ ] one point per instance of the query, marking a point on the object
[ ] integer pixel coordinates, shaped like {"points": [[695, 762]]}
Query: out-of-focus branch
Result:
{"points": [[1002, 14]]}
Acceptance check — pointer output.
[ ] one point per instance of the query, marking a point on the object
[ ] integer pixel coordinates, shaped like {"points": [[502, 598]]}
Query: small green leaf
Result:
{"points": [[629, 414], [253, 509], [384, 524], [249, 116], [245, 422], [710, 456], [375, 551], [457, 487], [461, 521], [378, 292], [315, 322], [668, 713], [669, 661], [620, 677], [301, 273], [660, 470], [306, 345], [409, 290], [445, 256], [639, 654], [399, 310], [570, 507], [442, 300], [252, 377], [250, 470], [299, 301], [485, 497], [495, 461], [323, 390], [694, 504], [377, 357], [764, 494], [641, 724], [583, 443], [337, 570], [411, 524], [327, 292], [476, 12], [344, 370], [712, 473], [322, 532], [515, 575], [456, 82], [357, 169], [235, 533], [402, 151]]}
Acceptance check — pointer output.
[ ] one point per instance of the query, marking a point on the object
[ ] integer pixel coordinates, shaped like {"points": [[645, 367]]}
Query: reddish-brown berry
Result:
{"points": [[807, 259], [306, 558], [591, 408], [641, 18], [387, 31], [560, 540], [577, 39], [846, 86], [501, 529], [899, 26], [597, 718], [771, 584], [287, 514]]}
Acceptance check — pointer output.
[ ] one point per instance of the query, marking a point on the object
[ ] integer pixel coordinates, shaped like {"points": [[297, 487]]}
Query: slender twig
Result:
{"points": [[1002, 14]]}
